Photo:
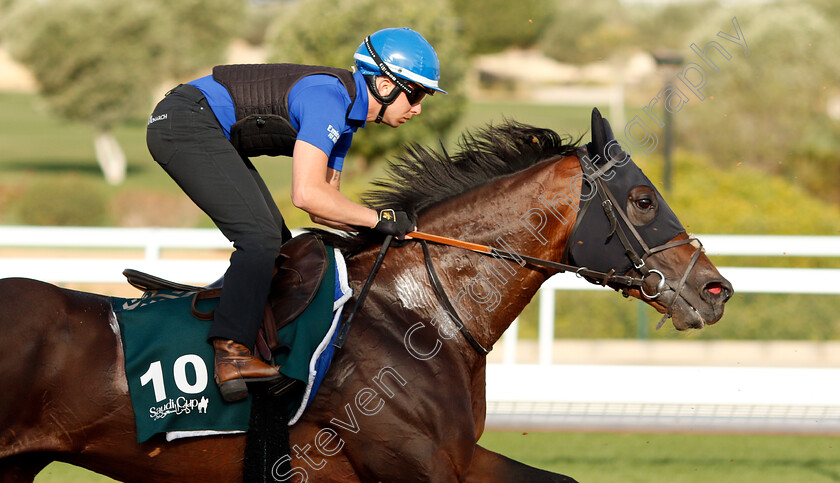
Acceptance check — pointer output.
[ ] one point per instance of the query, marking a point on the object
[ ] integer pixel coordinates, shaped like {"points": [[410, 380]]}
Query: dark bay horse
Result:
{"points": [[405, 397]]}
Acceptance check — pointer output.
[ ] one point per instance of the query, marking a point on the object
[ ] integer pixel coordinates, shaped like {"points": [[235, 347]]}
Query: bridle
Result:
{"points": [[593, 276], [618, 282], [622, 282], [610, 207]]}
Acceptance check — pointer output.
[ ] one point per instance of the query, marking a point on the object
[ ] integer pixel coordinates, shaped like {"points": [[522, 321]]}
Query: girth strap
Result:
{"points": [[447, 305]]}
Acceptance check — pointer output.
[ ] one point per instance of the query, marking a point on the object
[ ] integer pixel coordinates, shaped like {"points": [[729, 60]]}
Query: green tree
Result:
{"points": [[5, 5], [588, 31], [665, 27], [494, 25], [98, 61], [771, 108], [325, 32], [204, 31]]}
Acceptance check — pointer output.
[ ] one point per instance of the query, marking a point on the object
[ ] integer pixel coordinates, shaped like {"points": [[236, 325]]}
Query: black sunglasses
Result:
{"points": [[418, 92]]}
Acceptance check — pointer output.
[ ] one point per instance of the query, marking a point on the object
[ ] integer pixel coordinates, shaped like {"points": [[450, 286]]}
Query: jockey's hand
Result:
{"points": [[396, 223]]}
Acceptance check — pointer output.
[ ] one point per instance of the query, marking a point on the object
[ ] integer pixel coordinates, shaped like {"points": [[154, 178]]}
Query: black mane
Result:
{"points": [[421, 178]]}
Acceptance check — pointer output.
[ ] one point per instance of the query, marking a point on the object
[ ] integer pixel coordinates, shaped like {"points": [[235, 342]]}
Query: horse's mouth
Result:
{"points": [[689, 314], [685, 316]]}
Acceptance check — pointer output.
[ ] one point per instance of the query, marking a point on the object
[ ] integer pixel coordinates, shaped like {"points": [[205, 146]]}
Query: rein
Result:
{"points": [[600, 278], [592, 276], [610, 206], [443, 299], [338, 343]]}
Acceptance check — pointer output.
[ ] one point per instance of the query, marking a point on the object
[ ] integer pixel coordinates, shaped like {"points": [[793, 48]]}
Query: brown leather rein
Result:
{"points": [[600, 278], [593, 276]]}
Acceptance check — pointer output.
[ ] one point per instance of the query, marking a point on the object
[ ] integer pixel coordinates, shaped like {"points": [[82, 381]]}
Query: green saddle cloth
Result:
{"points": [[169, 364]]}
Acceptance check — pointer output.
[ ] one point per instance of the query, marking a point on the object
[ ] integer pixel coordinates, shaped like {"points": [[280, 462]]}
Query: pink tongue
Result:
{"points": [[714, 290]]}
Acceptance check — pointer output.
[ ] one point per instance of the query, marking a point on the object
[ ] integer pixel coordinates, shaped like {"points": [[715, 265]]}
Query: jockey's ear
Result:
{"points": [[384, 86]]}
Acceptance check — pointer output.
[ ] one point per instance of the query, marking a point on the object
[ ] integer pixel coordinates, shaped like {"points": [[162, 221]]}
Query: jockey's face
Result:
{"points": [[401, 110]]}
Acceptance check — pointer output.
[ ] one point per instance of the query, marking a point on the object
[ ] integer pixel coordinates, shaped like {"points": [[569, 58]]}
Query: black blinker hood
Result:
{"points": [[592, 244]]}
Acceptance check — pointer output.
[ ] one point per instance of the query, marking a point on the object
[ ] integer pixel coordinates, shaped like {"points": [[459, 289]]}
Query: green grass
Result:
{"points": [[642, 458], [65, 473], [674, 458]]}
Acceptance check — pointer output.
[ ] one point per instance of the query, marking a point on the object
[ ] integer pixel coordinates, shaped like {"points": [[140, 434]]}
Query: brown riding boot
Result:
{"points": [[235, 365]]}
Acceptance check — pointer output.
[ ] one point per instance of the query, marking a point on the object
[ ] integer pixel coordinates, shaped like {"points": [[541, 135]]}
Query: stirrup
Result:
{"points": [[281, 387], [237, 389]]}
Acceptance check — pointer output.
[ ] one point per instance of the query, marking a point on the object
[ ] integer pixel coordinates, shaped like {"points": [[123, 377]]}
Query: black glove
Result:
{"points": [[394, 223]]}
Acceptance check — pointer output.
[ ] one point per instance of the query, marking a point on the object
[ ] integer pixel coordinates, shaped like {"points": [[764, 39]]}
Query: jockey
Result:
{"points": [[203, 133]]}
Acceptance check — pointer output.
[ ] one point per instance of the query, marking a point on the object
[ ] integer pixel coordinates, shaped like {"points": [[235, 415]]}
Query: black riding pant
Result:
{"points": [[185, 138]]}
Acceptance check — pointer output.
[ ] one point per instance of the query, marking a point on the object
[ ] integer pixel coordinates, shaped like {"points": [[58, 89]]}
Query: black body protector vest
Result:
{"points": [[260, 94]]}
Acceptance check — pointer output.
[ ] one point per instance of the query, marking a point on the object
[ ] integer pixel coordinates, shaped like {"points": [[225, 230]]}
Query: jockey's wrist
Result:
{"points": [[394, 222], [373, 219]]}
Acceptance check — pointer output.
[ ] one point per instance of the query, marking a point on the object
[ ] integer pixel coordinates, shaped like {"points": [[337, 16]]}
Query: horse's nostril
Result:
{"points": [[717, 292]]}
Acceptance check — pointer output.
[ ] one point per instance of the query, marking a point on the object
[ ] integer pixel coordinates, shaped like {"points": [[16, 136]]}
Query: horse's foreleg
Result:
{"points": [[21, 468], [487, 466]]}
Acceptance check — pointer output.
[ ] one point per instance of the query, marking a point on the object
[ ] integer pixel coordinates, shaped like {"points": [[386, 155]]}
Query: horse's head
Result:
{"points": [[624, 233], [625, 225]]}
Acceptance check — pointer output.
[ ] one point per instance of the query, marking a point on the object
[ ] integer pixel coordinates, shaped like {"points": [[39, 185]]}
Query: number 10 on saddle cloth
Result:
{"points": [[169, 364]]}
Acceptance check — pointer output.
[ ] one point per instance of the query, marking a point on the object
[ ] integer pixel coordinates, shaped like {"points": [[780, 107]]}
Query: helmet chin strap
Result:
{"points": [[384, 100], [399, 84]]}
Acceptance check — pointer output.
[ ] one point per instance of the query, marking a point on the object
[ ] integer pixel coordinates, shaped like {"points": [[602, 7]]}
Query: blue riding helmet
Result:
{"points": [[405, 52]]}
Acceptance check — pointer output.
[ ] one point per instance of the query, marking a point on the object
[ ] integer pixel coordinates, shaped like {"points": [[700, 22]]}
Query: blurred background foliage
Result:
{"points": [[769, 111], [586, 31], [99, 61], [758, 156], [325, 32], [104, 62], [779, 120], [84, 77], [489, 26]]}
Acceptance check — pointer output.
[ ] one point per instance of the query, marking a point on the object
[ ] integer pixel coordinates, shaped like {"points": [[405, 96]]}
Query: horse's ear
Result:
{"points": [[608, 132], [597, 126], [601, 134]]}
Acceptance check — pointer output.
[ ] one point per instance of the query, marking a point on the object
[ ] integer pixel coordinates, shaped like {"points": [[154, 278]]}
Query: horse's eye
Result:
{"points": [[644, 203]]}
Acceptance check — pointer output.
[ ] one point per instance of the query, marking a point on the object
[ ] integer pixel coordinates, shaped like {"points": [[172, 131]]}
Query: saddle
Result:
{"points": [[298, 271]]}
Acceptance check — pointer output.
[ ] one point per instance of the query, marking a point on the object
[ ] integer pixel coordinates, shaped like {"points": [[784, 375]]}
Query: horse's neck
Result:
{"points": [[489, 292]]}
